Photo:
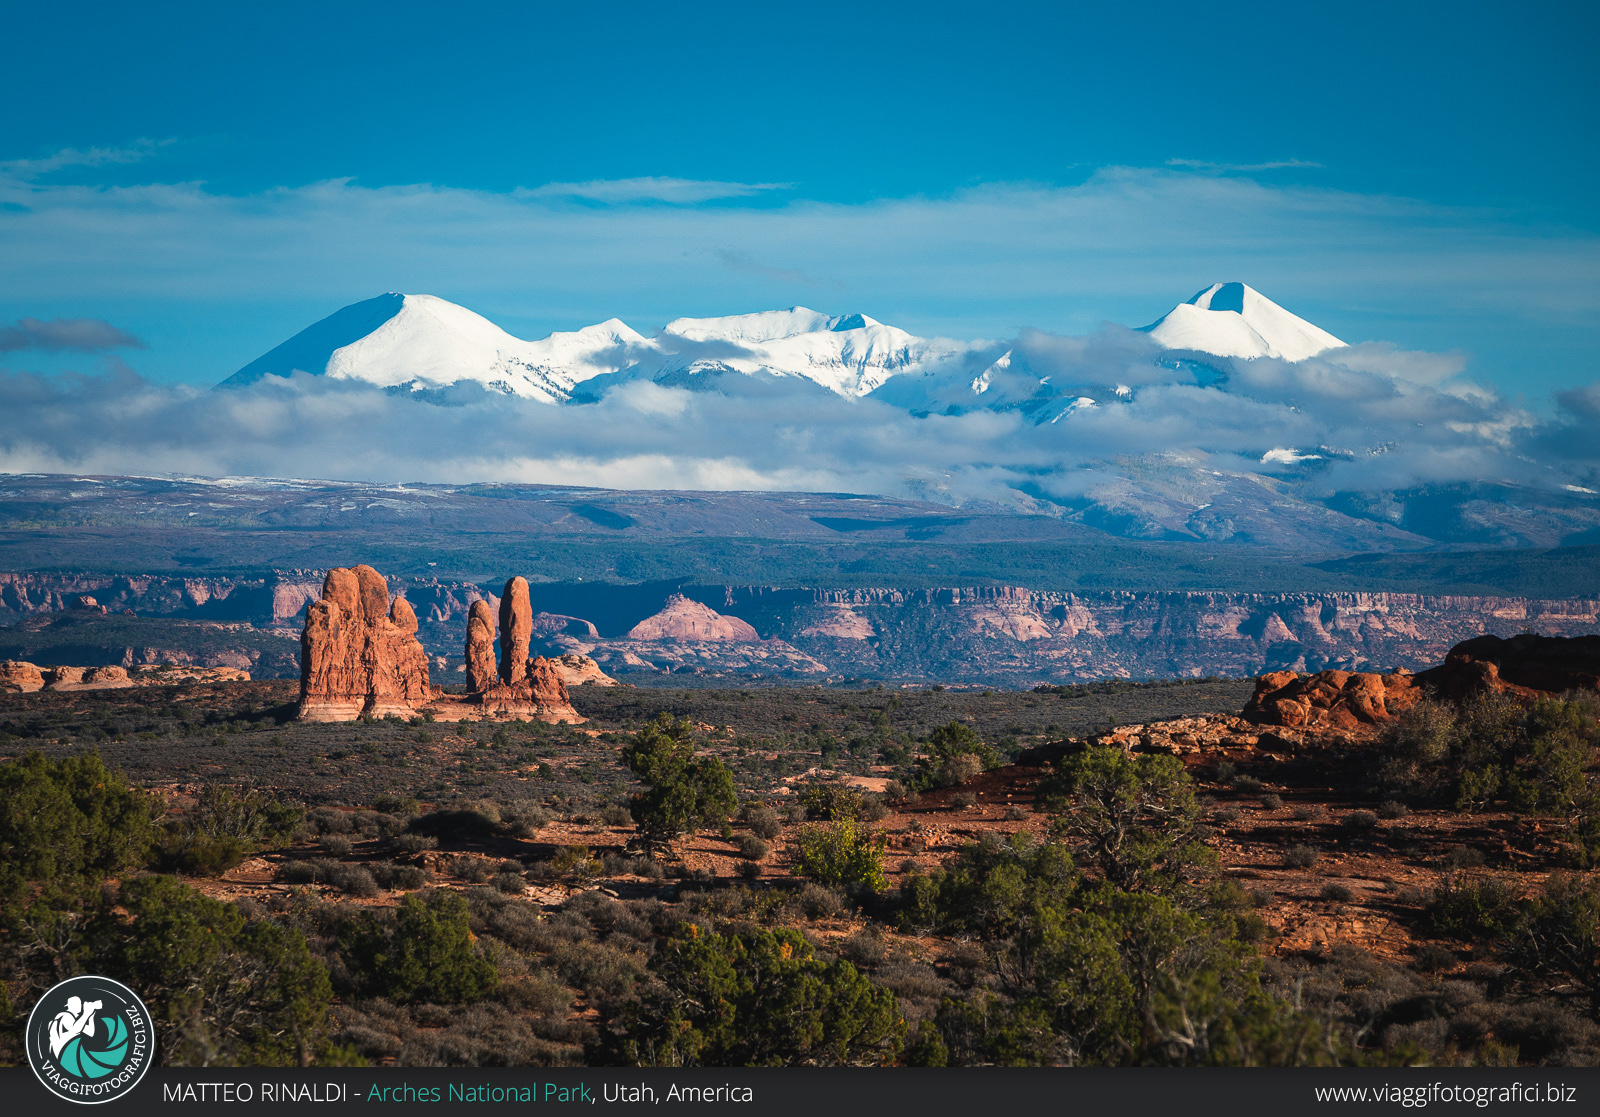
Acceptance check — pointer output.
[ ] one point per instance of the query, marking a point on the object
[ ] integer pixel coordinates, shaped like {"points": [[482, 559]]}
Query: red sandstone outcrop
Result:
{"points": [[683, 619], [580, 670], [481, 671], [358, 655], [1331, 699], [1526, 666], [516, 630], [19, 677]]}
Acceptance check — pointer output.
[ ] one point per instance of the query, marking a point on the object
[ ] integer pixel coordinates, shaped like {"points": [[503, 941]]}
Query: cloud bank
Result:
{"points": [[77, 335], [1352, 421]]}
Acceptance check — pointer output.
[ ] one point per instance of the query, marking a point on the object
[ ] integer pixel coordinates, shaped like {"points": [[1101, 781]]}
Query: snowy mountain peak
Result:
{"points": [[423, 341], [1236, 320]]}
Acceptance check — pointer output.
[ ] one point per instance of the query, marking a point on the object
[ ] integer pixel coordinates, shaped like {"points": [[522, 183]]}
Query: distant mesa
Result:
{"points": [[360, 657]]}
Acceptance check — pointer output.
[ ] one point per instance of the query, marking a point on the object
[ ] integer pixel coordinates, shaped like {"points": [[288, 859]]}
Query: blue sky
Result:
{"points": [[212, 178]]}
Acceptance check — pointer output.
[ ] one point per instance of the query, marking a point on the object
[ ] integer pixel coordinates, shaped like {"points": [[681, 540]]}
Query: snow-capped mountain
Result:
{"points": [[424, 342], [421, 341], [1235, 320]]}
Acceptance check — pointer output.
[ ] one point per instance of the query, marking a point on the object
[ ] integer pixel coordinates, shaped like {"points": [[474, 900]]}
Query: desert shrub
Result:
{"points": [[614, 814], [838, 854], [338, 845], [1015, 813], [1309, 812], [1431, 958], [1472, 908], [943, 764], [762, 820], [830, 802], [511, 884], [1301, 856], [1391, 809], [1270, 802], [682, 791], [576, 863], [864, 949], [396, 804], [1340, 893], [872, 809], [958, 769], [402, 877], [749, 870], [1246, 783], [816, 901], [354, 880], [456, 824], [1134, 816], [752, 848], [424, 952], [1360, 820], [68, 823], [895, 792], [1465, 857], [1492, 749], [756, 998], [1557, 937], [222, 989], [472, 870], [414, 843], [297, 872], [524, 819], [963, 800], [327, 820], [1227, 815], [224, 827]]}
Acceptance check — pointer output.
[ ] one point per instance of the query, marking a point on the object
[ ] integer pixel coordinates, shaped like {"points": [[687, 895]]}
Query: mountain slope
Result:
{"points": [[1235, 320], [425, 342], [422, 341]]}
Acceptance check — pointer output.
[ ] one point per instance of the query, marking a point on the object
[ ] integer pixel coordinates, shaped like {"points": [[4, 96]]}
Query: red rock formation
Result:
{"points": [[516, 630], [20, 677], [481, 672], [1330, 699], [359, 656], [1525, 666]]}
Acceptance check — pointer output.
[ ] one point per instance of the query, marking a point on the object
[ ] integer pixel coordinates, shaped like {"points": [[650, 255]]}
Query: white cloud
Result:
{"points": [[677, 191]]}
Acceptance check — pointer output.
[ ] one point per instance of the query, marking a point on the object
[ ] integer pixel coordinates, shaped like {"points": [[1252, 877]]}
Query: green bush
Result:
{"points": [[682, 792], [829, 802], [1473, 908], [756, 998], [841, 854], [425, 953], [1135, 816], [223, 991], [69, 823], [953, 754], [752, 848]]}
